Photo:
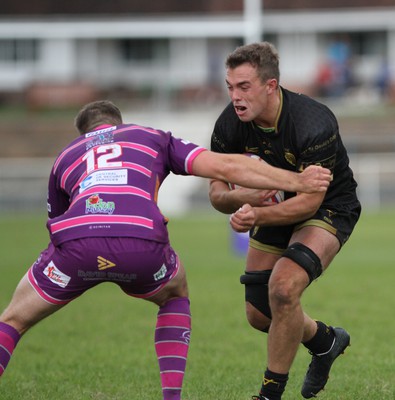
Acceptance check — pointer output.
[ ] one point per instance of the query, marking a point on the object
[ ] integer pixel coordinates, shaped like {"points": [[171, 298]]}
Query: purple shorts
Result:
{"points": [[140, 267]]}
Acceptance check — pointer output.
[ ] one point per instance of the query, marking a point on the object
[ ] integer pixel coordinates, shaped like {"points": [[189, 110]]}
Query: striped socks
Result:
{"points": [[9, 338], [172, 334]]}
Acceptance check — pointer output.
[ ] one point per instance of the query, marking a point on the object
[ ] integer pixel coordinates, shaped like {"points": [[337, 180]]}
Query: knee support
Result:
{"points": [[256, 290], [305, 258]]}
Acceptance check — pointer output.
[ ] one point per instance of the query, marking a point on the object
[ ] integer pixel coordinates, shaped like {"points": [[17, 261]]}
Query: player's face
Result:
{"points": [[248, 93]]}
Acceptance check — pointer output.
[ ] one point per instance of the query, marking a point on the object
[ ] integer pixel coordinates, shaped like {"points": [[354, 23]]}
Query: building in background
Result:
{"points": [[162, 55], [60, 52]]}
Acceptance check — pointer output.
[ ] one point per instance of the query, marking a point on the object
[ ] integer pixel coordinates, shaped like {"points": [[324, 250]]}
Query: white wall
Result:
{"points": [[188, 61], [299, 57], [57, 61], [78, 49]]}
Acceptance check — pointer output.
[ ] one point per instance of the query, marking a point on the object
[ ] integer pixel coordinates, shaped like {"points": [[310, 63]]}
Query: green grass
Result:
{"points": [[100, 347]]}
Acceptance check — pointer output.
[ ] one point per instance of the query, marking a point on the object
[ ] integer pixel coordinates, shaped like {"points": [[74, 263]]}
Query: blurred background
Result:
{"points": [[162, 63]]}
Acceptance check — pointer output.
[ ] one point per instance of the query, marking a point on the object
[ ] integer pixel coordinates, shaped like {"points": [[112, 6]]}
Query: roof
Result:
{"points": [[127, 7]]}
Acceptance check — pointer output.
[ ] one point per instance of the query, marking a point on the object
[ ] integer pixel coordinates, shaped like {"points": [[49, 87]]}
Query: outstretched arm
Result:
{"points": [[248, 172]]}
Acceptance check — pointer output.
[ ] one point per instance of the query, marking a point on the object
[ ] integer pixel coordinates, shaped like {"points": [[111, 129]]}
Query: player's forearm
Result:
{"points": [[251, 173], [222, 199], [244, 171], [291, 211]]}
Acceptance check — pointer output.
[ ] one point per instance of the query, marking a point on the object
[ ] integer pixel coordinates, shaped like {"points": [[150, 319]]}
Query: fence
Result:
{"points": [[375, 174], [23, 184]]}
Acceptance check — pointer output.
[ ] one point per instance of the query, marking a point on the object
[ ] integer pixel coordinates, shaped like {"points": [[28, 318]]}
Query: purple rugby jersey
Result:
{"points": [[106, 182]]}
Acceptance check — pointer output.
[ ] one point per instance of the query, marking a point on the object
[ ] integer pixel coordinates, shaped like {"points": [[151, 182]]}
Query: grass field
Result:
{"points": [[101, 346]]}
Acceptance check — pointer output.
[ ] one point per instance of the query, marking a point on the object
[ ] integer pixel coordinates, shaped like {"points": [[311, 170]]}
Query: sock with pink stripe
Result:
{"points": [[172, 334], [9, 338]]}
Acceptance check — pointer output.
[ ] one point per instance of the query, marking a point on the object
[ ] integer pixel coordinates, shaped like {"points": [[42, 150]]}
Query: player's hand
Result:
{"points": [[243, 219], [316, 179], [255, 197]]}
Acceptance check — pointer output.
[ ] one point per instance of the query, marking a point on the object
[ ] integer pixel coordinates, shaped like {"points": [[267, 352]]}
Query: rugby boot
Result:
{"points": [[259, 398], [318, 372]]}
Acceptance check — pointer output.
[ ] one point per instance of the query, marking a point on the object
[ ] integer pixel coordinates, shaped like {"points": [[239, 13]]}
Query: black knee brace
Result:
{"points": [[306, 258], [256, 290]]}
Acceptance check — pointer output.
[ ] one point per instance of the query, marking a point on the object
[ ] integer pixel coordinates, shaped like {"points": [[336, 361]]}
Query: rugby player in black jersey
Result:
{"points": [[294, 241]]}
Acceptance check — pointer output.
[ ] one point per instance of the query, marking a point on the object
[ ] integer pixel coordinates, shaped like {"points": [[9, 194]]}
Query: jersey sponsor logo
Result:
{"points": [[105, 276], [103, 138], [323, 145], [251, 149], [95, 205], [290, 158], [56, 276], [329, 163], [100, 131], [161, 273], [86, 183], [102, 263], [108, 177]]}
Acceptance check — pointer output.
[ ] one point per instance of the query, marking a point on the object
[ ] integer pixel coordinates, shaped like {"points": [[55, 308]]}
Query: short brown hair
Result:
{"points": [[263, 56], [95, 114]]}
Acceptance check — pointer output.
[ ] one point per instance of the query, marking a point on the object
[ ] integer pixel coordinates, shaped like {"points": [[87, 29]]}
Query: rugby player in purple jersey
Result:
{"points": [[105, 226]]}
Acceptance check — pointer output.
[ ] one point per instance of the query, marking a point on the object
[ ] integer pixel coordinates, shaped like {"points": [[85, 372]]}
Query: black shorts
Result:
{"points": [[339, 222]]}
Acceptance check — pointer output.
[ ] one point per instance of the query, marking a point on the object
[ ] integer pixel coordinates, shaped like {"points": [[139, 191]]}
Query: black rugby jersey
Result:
{"points": [[306, 133]]}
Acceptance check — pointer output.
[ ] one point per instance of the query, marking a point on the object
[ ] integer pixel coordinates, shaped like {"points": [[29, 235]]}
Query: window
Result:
{"points": [[144, 49], [18, 50], [368, 43]]}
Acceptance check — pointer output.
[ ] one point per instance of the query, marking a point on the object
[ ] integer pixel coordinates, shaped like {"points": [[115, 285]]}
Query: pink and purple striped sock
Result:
{"points": [[172, 334], [9, 338]]}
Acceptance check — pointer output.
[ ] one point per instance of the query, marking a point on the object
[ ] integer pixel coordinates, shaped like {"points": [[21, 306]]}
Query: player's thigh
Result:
{"points": [[260, 260], [26, 307], [322, 242], [266, 246]]}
